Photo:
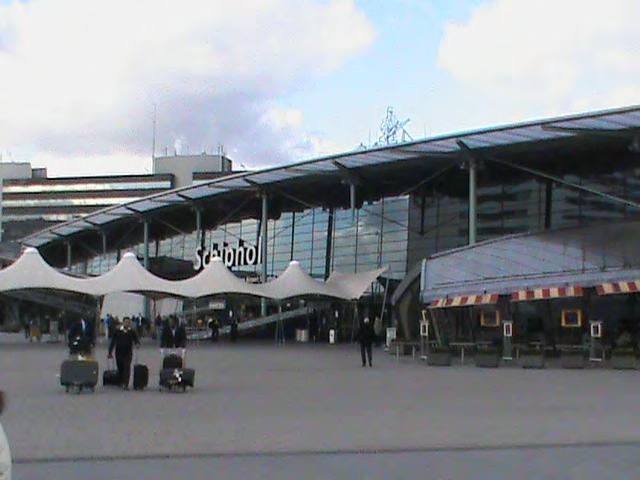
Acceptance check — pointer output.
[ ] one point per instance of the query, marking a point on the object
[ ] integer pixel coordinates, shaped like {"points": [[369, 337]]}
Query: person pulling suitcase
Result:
{"points": [[123, 341]]}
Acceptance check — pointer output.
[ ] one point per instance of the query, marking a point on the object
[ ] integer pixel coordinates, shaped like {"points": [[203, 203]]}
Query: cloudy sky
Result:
{"points": [[283, 80]]}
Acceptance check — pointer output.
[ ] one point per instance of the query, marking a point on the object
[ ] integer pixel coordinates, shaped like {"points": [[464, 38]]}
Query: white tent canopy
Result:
{"points": [[295, 282], [31, 271], [354, 284], [129, 276], [216, 279]]}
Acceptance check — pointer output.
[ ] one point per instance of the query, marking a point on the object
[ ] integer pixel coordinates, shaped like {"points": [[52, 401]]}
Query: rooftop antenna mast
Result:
{"points": [[153, 142], [391, 127]]}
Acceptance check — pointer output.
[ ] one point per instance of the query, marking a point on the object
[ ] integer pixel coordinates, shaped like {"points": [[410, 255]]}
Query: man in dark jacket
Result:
{"points": [[180, 339], [123, 341], [81, 337], [366, 337], [166, 337]]}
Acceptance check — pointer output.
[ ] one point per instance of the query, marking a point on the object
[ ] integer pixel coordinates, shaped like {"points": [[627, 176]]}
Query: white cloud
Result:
{"points": [[78, 78], [546, 56]]}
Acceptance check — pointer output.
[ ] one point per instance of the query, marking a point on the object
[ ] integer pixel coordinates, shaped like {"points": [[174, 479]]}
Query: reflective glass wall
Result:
{"points": [[504, 207], [376, 235], [399, 232]]}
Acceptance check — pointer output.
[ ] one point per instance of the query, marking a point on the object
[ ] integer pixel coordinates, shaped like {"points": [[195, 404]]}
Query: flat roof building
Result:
{"points": [[32, 201]]}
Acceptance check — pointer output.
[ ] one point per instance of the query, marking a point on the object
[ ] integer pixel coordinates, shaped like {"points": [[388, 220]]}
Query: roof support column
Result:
{"points": [[548, 204], [198, 227], [69, 257], [145, 224], [146, 263], [328, 247], [263, 247], [473, 199], [352, 198], [103, 235]]}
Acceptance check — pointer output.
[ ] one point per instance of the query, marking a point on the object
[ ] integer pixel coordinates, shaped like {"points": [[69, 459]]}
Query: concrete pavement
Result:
{"points": [[304, 399], [567, 463]]}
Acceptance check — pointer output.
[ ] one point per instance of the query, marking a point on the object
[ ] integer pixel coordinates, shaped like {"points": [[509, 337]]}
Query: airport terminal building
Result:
{"points": [[409, 206]]}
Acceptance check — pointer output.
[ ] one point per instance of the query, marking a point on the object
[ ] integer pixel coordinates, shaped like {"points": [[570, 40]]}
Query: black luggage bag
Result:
{"points": [[79, 373], [110, 377], [140, 376], [178, 378], [172, 361]]}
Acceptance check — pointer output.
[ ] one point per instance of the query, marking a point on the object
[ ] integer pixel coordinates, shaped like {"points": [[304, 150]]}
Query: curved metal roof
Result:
{"points": [[431, 152], [583, 256]]}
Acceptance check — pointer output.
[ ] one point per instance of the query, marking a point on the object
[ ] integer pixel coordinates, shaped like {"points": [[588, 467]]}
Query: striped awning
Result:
{"points": [[618, 287], [546, 293], [465, 301]]}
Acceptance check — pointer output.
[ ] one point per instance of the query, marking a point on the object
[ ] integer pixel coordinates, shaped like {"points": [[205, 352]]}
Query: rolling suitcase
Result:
{"points": [[178, 378], [169, 378], [140, 376], [79, 373], [189, 376], [172, 361], [110, 377]]}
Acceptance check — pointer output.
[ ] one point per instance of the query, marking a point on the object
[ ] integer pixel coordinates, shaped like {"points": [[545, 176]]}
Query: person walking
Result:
{"points": [[180, 340], [233, 330], [81, 338], [27, 329], [123, 341], [166, 337], [215, 328], [34, 328], [377, 330], [365, 338], [157, 327]]}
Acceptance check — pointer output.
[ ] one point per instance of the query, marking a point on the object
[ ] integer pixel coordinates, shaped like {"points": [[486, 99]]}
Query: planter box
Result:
{"points": [[623, 359], [576, 359], [439, 358], [532, 359], [487, 358]]}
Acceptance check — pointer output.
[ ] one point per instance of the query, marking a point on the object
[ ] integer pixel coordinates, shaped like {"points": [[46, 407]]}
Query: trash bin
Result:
{"points": [[332, 336]]}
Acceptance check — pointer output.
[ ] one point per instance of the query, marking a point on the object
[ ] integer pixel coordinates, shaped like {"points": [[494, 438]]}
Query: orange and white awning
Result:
{"points": [[618, 287], [546, 293], [465, 301]]}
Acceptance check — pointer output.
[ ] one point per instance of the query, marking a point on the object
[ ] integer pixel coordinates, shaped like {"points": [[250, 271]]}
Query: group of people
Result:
{"points": [[36, 323], [139, 323], [173, 336], [124, 338]]}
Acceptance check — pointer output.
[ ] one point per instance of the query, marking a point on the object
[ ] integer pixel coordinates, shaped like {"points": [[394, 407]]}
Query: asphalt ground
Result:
{"points": [[575, 463], [302, 406]]}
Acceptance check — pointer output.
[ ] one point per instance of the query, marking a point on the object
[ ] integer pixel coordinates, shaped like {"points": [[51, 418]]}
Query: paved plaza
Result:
{"points": [[265, 403]]}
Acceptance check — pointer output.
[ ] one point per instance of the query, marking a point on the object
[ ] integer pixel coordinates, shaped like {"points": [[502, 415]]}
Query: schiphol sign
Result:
{"points": [[238, 256]]}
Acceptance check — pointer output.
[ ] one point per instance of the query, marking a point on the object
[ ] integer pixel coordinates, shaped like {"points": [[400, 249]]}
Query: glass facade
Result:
{"points": [[506, 207], [399, 232], [376, 235]]}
